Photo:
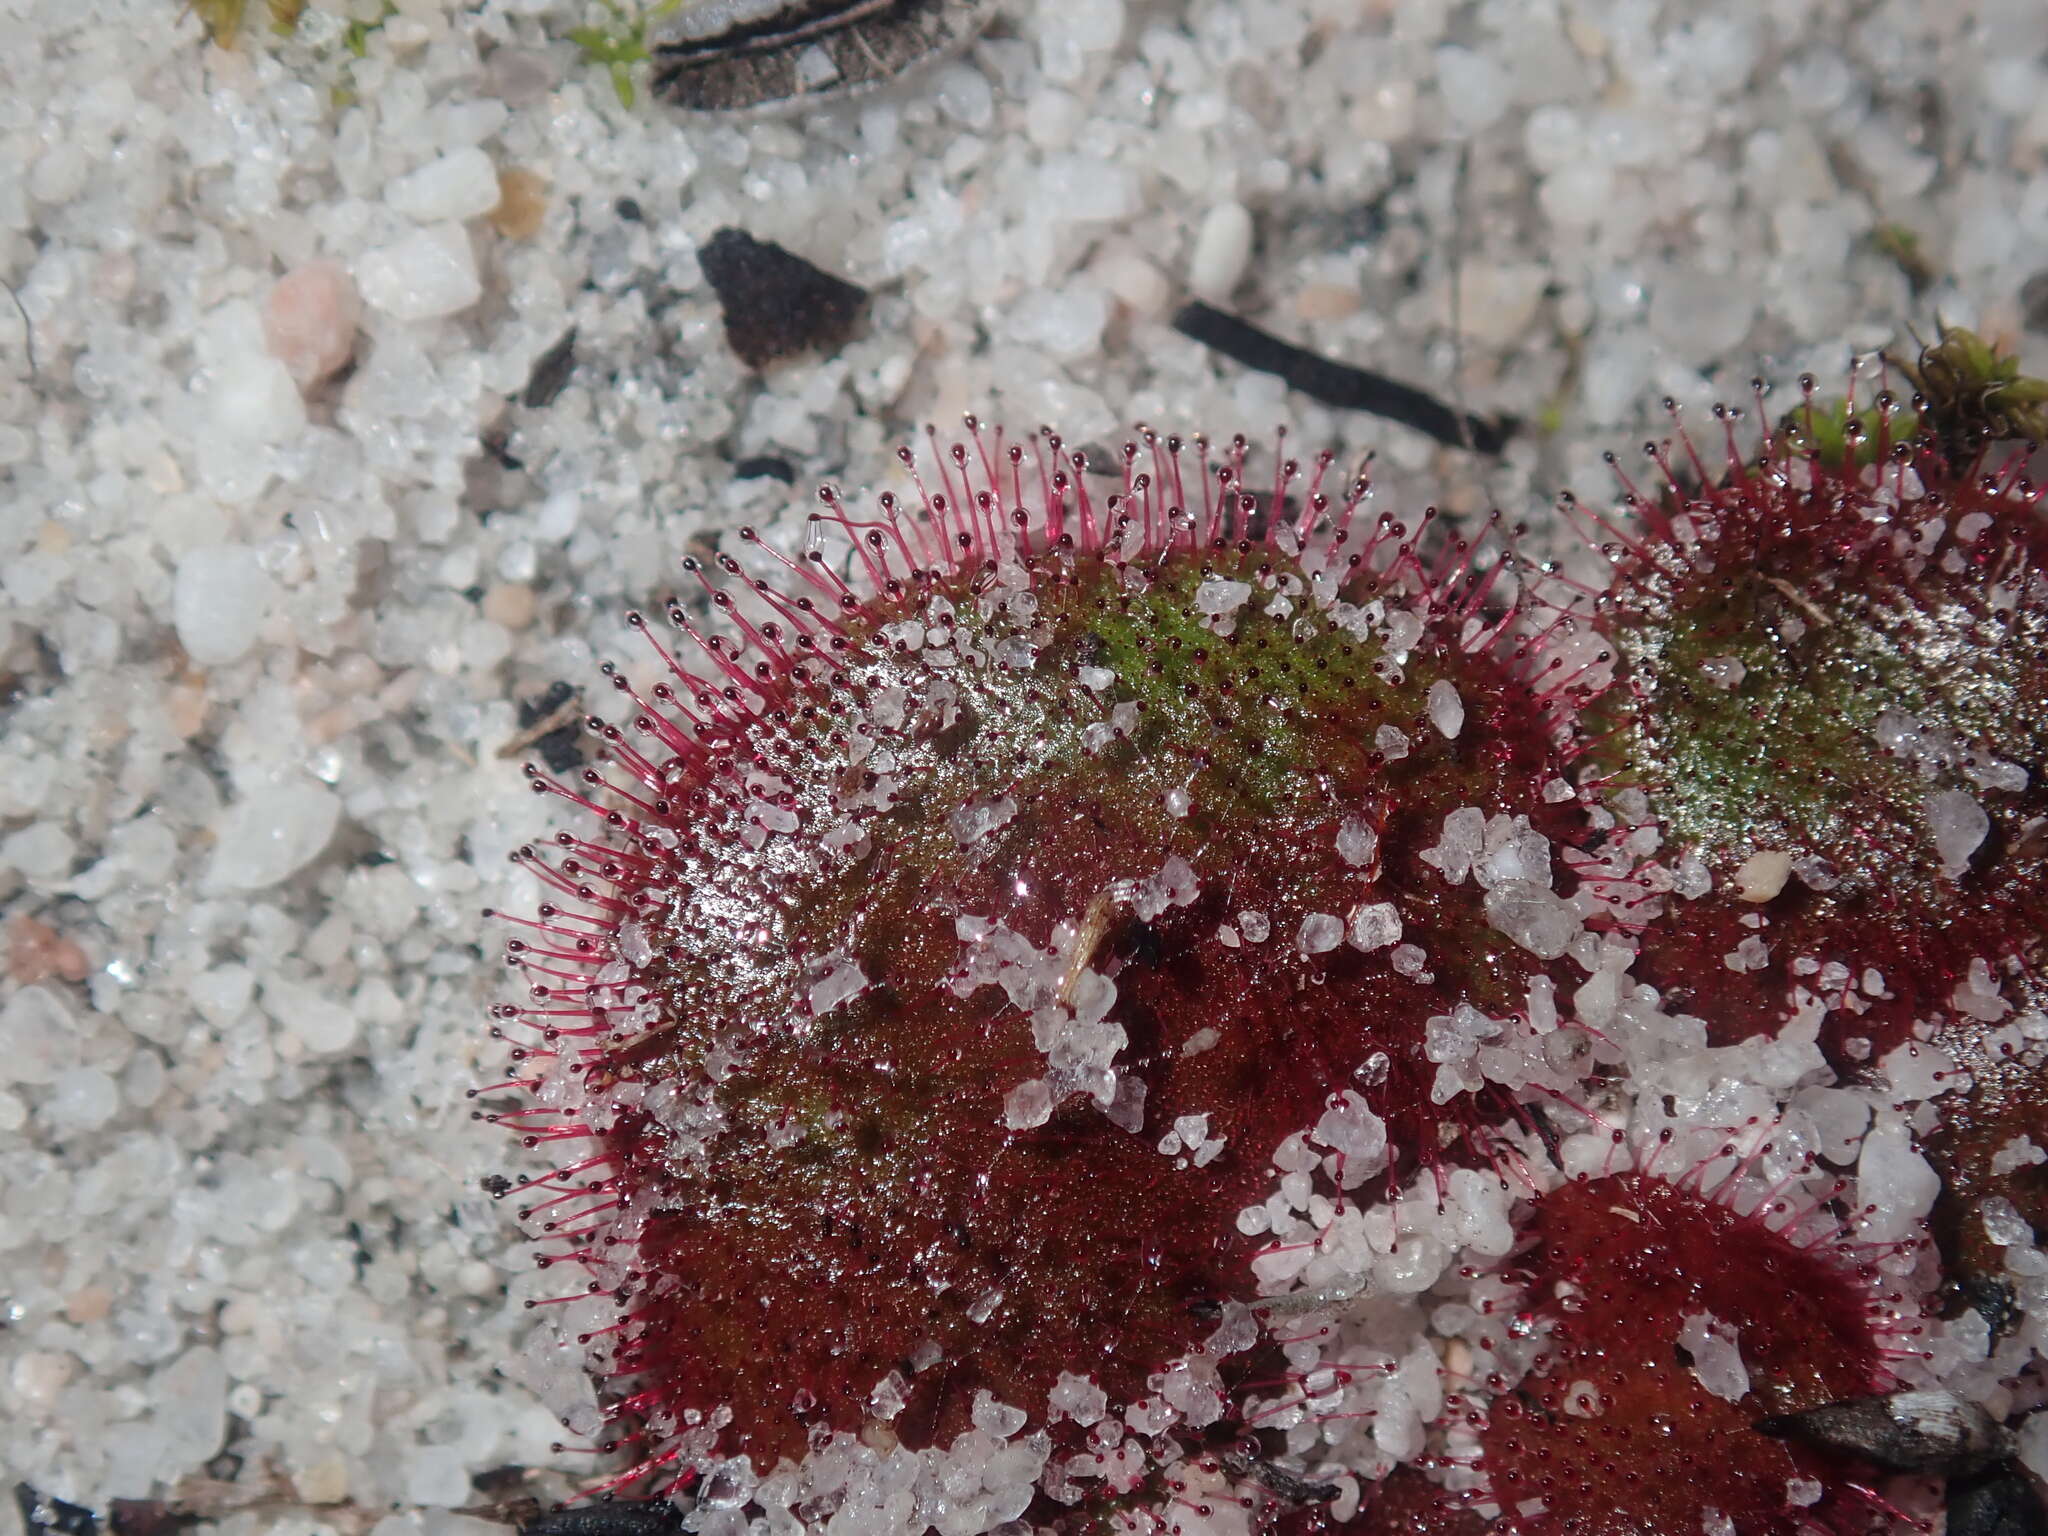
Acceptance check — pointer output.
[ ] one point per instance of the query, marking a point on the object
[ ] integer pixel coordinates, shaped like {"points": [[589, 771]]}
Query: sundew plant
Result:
{"points": [[1149, 992]]}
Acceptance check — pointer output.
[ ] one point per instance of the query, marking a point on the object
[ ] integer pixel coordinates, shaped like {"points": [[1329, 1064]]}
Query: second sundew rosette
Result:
{"points": [[1832, 696]]}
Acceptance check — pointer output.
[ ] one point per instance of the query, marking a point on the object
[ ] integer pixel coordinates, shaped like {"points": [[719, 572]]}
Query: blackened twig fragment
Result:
{"points": [[1341, 385], [551, 372], [1918, 1431], [729, 55], [776, 304]]}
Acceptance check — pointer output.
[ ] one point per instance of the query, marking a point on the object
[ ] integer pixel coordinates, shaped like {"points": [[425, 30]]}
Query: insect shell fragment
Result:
{"points": [[779, 55]]}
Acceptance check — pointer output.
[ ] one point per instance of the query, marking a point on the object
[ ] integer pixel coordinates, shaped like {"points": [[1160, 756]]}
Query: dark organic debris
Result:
{"points": [[1289, 1487], [1902, 247], [496, 443], [148, 1517], [551, 371], [42, 1515], [494, 479], [723, 58], [776, 304], [545, 706], [1992, 1299], [613, 1517], [766, 466], [2034, 302], [28, 329], [1917, 1431], [1339, 384], [1553, 1144], [507, 1495], [2001, 1502], [552, 724]]}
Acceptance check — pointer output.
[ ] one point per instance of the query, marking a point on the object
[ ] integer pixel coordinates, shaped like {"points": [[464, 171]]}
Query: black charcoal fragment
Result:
{"points": [[775, 303]]}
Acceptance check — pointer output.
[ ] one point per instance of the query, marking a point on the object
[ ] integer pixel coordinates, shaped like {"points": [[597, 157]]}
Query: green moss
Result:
{"points": [[1901, 246], [1975, 391], [1967, 392], [620, 45]]}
